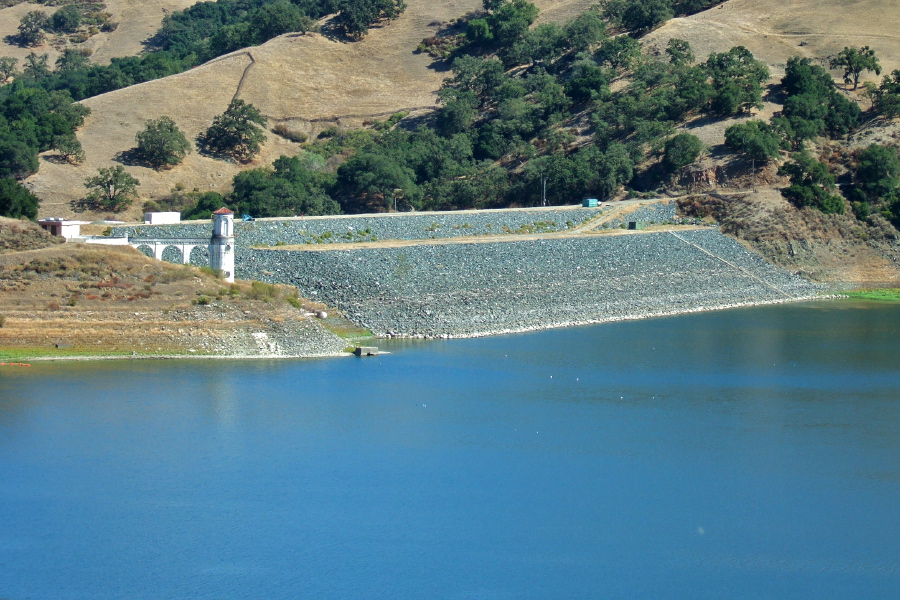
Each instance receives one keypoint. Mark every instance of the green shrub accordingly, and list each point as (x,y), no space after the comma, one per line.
(812,184)
(754,139)
(680,151)
(217,273)
(878,171)
(262,291)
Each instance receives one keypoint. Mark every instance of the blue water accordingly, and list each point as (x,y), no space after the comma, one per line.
(741,454)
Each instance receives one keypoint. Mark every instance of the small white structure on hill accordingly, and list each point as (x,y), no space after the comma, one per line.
(62,227)
(162,218)
(221,245)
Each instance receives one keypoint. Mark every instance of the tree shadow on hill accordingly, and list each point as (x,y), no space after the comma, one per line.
(775,94)
(131,158)
(81,205)
(204,150)
(448,41)
(440,65)
(56,159)
(334,32)
(152,43)
(415,122)
(14,39)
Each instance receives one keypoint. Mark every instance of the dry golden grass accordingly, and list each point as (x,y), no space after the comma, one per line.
(774,29)
(17,235)
(9,24)
(137,21)
(309,82)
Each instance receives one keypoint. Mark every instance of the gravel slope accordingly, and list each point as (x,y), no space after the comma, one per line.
(466,290)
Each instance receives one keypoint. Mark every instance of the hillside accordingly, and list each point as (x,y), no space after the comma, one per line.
(82,300)
(775,30)
(137,21)
(307,81)
(310,82)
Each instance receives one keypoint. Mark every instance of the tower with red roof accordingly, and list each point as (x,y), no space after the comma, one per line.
(221,245)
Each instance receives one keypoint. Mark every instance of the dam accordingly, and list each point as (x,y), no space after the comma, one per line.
(479,273)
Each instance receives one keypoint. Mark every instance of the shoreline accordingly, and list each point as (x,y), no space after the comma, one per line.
(481,334)
(619,318)
(88,358)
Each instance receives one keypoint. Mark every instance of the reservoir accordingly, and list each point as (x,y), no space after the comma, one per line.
(747,453)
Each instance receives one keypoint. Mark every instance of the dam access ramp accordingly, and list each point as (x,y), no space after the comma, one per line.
(313,233)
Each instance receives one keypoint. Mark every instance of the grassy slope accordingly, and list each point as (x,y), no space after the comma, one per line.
(310,81)
(138,20)
(111,301)
(301,78)
(774,29)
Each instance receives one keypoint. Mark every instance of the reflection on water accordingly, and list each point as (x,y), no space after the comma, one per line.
(742,454)
(225,403)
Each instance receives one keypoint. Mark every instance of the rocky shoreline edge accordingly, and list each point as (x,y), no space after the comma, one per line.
(620,318)
(328,339)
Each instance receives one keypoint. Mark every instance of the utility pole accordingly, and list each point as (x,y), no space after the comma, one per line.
(753,168)
(543,190)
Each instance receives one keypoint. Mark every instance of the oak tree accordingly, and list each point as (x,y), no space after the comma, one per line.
(31,28)
(69,148)
(111,189)
(235,133)
(161,143)
(854,61)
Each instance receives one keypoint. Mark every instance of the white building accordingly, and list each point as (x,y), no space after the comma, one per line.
(162,218)
(62,227)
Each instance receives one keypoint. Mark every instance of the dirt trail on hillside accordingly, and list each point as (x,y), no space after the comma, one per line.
(311,81)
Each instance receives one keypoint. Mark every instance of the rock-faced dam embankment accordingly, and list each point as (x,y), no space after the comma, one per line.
(468,289)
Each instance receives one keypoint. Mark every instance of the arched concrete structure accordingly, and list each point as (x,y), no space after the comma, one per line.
(219,248)
(158,245)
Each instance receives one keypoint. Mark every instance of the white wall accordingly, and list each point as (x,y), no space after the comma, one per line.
(162,218)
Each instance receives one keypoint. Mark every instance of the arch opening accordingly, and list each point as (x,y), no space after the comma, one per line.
(172,254)
(199,256)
